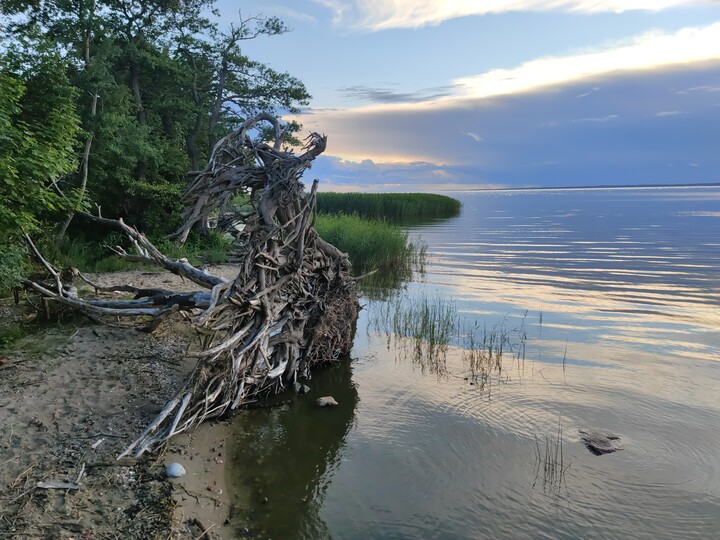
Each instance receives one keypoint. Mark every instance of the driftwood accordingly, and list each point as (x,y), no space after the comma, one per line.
(291,306)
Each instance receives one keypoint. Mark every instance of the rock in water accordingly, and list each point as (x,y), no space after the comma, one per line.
(175,470)
(326,401)
(600,442)
(301,389)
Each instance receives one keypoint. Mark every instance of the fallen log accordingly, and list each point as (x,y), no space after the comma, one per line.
(291,305)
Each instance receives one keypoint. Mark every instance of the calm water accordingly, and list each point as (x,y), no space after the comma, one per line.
(618,292)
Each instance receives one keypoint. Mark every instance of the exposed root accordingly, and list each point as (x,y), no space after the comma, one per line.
(292,304)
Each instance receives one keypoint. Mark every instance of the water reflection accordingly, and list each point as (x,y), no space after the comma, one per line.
(622,294)
(283,457)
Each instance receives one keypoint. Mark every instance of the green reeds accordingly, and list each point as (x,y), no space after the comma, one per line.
(372,244)
(423,326)
(484,350)
(483,353)
(429,327)
(392,206)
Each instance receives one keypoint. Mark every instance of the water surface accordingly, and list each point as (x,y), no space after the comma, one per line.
(618,292)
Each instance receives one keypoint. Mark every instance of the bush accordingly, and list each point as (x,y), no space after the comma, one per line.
(13,266)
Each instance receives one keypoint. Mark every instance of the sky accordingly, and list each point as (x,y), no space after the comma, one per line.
(470,94)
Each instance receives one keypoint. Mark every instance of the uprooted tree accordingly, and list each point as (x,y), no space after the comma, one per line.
(292,304)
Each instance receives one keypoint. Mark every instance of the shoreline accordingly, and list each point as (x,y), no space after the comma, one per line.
(72,396)
(201,495)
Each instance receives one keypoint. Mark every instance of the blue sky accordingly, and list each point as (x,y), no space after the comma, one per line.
(458,94)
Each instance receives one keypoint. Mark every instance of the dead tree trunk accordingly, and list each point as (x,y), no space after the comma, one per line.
(291,306)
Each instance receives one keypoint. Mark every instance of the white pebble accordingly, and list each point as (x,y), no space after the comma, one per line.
(175,470)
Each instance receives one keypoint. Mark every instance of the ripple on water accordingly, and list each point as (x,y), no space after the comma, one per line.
(475,451)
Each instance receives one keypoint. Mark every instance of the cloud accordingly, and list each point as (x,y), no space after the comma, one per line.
(337,174)
(704,88)
(647,51)
(474,136)
(385,14)
(589,92)
(597,119)
(289,13)
(661,114)
(386,95)
(615,138)
(338,7)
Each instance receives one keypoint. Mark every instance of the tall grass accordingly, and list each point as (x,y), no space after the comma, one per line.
(484,350)
(94,256)
(425,326)
(391,206)
(430,328)
(371,244)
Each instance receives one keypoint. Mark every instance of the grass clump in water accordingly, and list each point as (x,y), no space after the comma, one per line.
(484,350)
(371,244)
(550,462)
(427,326)
(392,206)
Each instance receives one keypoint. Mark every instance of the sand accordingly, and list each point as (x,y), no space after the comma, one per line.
(72,395)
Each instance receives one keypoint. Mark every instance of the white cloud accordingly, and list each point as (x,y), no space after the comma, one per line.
(647,51)
(473,136)
(704,88)
(661,114)
(338,7)
(385,14)
(289,13)
(599,119)
(650,51)
(589,92)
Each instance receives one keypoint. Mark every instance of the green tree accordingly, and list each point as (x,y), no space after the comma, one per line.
(157,83)
(38,130)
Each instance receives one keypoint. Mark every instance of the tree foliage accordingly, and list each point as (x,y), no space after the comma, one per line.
(154,83)
(38,128)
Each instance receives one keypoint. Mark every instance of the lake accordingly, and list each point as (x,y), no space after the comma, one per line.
(610,303)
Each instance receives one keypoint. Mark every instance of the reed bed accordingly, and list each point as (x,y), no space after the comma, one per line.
(428,328)
(391,206)
(424,327)
(372,244)
(484,350)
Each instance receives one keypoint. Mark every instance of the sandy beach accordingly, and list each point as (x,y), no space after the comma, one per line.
(72,396)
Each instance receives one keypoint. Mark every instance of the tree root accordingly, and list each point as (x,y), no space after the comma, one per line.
(291,306)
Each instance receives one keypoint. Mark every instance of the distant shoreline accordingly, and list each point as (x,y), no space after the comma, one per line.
(599,187)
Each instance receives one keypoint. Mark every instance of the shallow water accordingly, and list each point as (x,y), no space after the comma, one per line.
(618,293)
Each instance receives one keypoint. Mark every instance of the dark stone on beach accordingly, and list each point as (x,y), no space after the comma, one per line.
(600,442)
